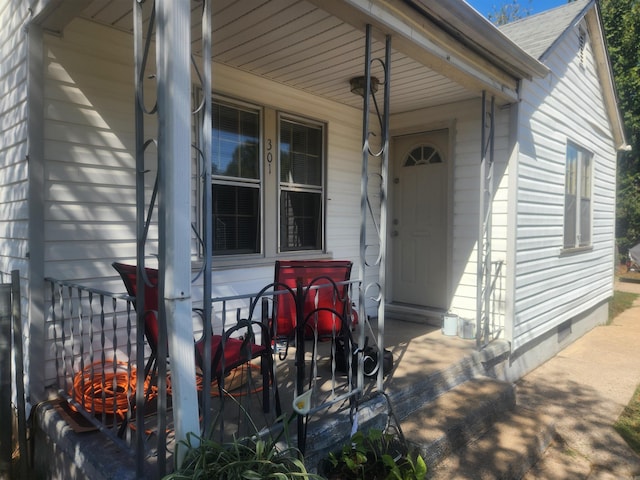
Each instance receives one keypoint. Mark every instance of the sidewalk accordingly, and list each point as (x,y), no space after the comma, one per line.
(585,388)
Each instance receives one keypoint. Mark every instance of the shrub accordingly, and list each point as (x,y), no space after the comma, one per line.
(247,459)
(374,456)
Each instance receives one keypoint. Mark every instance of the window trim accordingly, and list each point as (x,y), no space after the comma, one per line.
(313,123)
(240,181)
(581,154)
(269,204)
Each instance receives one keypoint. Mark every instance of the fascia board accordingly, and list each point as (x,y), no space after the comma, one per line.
(425,42)
(465,22)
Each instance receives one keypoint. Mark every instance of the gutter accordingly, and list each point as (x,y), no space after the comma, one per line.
(463,22)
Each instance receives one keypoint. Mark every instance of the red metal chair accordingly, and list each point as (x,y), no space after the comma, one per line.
(227,352)
(327,307)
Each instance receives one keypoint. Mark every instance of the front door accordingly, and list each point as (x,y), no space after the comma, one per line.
(419,220)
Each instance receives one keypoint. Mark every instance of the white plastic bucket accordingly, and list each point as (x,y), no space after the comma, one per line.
(450,324)
(466,328)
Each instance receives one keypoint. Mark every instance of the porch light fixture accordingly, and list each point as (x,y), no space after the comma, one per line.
(358,85)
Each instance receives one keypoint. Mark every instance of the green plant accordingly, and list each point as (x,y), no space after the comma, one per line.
(620,302)
(375,456)
(244,459)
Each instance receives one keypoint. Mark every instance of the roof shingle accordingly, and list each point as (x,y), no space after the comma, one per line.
(537,33)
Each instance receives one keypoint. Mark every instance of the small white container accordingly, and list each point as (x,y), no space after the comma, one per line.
(466,328)
(450,324)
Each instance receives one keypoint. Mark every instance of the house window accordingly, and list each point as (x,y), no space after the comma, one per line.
(301,185)
(577,201)
(236,179)
(290,187)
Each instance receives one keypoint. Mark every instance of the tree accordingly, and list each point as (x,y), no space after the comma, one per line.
(621,19)
(509,12)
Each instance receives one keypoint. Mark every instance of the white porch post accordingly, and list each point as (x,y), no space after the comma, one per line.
(174,221)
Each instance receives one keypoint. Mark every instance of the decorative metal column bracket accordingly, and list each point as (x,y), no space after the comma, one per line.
(141,54)
(374,290)
(484,269)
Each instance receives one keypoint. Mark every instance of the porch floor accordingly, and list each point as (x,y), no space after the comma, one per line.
(419,350)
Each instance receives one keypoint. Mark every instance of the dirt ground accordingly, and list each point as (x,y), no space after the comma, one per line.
(627,281)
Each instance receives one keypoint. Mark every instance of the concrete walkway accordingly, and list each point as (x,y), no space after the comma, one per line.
(585,388)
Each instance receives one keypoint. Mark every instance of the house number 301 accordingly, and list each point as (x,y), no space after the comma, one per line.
(269,154)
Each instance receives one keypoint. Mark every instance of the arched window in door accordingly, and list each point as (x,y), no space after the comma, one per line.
(423,155)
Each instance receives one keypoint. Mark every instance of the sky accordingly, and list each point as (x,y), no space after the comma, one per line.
(485,7)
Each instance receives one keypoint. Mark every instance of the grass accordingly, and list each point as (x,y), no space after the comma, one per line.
(620,302)
(628,424)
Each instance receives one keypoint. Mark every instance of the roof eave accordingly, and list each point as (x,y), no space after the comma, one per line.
(478,33)
(54,15)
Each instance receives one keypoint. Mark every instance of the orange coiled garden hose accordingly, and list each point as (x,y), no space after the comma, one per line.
(101,388)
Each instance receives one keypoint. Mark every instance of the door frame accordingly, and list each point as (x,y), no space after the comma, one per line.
(430,127)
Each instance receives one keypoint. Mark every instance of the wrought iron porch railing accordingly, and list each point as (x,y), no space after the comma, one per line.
(95,335)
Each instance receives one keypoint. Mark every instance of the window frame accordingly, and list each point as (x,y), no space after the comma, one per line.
(578,181)
(231,181)
(302,188)
(268,186)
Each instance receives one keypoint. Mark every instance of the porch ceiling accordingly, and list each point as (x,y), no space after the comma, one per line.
(296,43)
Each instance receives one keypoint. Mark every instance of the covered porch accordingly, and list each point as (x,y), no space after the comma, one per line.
(427,362)
(425,68)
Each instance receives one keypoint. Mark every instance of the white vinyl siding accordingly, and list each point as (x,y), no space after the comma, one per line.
(551,286)
(14,166)
(89,211)
(13,138)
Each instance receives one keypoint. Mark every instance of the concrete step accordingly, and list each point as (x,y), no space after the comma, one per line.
(476,431)
(504,452)
(479,364)
(466,377)
(457,417)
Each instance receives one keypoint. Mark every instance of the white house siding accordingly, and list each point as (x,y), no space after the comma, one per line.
(464,121)
(14,167)
(89,208)
(551,287)
(13,137)
(89,211)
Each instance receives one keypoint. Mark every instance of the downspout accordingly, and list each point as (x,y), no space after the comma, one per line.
(35,162)
(484,277)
